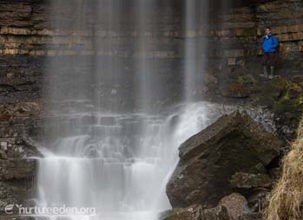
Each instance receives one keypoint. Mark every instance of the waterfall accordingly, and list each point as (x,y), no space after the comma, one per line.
(108,146)
(196,20)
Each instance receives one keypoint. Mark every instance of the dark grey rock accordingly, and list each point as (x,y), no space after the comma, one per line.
(208,160)
(197,212)
(13,169)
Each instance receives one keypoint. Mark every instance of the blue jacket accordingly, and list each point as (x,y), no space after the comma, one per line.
(270,44)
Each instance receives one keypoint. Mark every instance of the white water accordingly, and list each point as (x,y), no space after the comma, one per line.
(98,154)
(196,20)
(121,168)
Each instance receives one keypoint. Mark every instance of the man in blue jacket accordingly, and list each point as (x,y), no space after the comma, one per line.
(270,49)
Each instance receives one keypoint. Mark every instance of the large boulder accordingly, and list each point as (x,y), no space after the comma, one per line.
(210,159)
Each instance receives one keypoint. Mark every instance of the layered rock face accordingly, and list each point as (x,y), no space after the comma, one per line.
(234,37)
(22,35)
(20,93)
(240,30)
(235,58)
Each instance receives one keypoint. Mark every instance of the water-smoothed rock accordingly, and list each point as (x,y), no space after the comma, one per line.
(209,160)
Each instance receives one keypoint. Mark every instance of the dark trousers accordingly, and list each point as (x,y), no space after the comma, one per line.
(269,59)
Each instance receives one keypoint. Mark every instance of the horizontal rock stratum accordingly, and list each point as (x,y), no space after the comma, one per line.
(208,160)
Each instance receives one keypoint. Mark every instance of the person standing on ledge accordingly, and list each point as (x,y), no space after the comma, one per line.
(270,49)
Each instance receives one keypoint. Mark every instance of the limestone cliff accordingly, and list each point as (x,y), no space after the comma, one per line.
(27,39)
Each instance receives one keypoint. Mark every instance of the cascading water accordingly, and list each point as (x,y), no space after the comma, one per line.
(100,152)
(196,19)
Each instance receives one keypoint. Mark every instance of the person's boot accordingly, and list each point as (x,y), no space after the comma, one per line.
(272,72)
(265,72)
